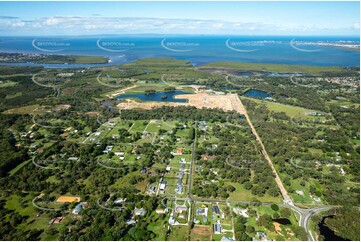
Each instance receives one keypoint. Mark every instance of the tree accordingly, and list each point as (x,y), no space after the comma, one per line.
(265,220)
(231,188)
(345,223)
(285,213)
(250,230)
(275,207)
(248,185)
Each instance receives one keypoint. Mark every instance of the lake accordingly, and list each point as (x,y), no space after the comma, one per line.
(157,96)
(257,94)
(328,233)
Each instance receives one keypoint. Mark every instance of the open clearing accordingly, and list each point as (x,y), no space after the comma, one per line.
(291,111)
(229,102)
(22,110)
(201,233)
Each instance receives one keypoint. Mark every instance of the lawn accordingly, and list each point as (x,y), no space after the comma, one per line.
(138,126)
(178,233)
(313,70)
(22,110)
(241,194)
(291,111)
(17,168)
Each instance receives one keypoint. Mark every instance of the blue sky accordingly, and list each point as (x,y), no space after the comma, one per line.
(244,18)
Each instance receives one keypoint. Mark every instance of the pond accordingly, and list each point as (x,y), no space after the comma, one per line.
(283,221)
(328,233)
(157,96)
(257,94)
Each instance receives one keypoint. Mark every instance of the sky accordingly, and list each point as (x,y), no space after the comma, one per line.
(238,18)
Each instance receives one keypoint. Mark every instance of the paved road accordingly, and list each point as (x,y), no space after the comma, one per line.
(306,214)
(192,162)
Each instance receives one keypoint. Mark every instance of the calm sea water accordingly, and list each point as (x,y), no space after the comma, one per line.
(198,50)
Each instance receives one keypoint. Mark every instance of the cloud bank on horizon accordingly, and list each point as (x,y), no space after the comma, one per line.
(80,22)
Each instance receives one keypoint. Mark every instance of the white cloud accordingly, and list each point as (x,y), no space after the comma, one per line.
(106,25)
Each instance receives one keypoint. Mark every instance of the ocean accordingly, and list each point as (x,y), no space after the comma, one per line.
(198,50)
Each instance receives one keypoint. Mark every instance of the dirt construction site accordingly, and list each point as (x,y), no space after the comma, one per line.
(199,100)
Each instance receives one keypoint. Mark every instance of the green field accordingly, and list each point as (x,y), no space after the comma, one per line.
(178,233)
(291,111)
(241,194)
(312,70)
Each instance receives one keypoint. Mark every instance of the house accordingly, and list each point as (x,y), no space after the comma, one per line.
(108,149)
(299,192)
(139,212)
(181,167)
(171,220)
(183,160)
(215,209)
(152,190)
(77,208)
(73,159)
(180,209)
(163,185)
(203,125)
(130,221)
(217,228)
(202,211)
(85,205)
(168,168)
(180,174)
(179,182)
(225,238)
(160,211)
(179,151)
(121,158)
(119,153)
(58,220)
(120,200)
(261,236)
(179,189)
(342,171)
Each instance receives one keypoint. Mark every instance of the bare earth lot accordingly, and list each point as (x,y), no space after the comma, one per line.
(199,100)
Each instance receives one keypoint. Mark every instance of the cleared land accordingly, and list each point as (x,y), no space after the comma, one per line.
(229,102)
(68,199)
(201,233)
